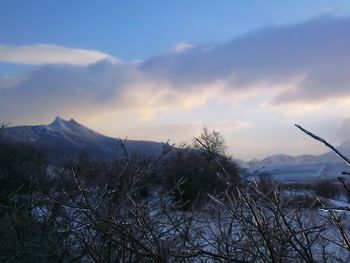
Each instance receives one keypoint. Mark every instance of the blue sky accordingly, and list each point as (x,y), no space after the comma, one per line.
(139,29)
(163,69)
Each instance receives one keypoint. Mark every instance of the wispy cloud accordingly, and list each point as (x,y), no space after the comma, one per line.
(182,47)
(50,54)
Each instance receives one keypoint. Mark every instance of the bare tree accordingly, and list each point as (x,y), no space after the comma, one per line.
(210,141)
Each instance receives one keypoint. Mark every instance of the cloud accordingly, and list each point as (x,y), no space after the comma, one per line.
(302,63)
(90,90)
(7,82)
(316,52)
(182,47)
(184,132)
(64,89)
(50,54)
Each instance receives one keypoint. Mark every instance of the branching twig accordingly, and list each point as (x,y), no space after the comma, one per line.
(325,142)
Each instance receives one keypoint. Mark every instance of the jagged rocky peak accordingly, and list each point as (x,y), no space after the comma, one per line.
(71,126)
(62,124)
(73,121)
(58,122)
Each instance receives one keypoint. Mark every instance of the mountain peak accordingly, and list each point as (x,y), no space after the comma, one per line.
(59,124)
(58,119)
(69,138)
(73,121)
(71,127)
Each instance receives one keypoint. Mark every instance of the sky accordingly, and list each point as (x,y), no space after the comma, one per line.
(162,70)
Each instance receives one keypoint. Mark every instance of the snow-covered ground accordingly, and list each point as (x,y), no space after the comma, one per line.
(301,173)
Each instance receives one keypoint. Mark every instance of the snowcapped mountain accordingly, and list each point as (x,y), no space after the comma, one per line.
(63,138)
(287,160)
(332,157)
(283,159)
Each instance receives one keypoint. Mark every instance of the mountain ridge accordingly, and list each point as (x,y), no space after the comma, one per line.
(68,138)
(285,159)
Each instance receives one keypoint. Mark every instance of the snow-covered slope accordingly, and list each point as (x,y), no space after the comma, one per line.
(69,138)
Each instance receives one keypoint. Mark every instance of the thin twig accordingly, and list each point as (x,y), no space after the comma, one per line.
(325,142)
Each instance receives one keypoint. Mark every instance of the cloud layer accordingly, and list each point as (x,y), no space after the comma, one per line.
(50,54)
(315,55)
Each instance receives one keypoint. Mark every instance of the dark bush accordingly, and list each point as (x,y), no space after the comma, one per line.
(328,189)
(197,174)
(22,168)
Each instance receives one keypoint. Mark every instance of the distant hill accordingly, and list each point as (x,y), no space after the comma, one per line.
(287,160)
(62,139)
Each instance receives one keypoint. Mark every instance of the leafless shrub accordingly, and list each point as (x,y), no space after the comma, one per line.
(100,214)
(328,189)
(337,220)
(265,183)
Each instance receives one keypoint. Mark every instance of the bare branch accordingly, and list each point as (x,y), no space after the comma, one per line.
(325,142)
